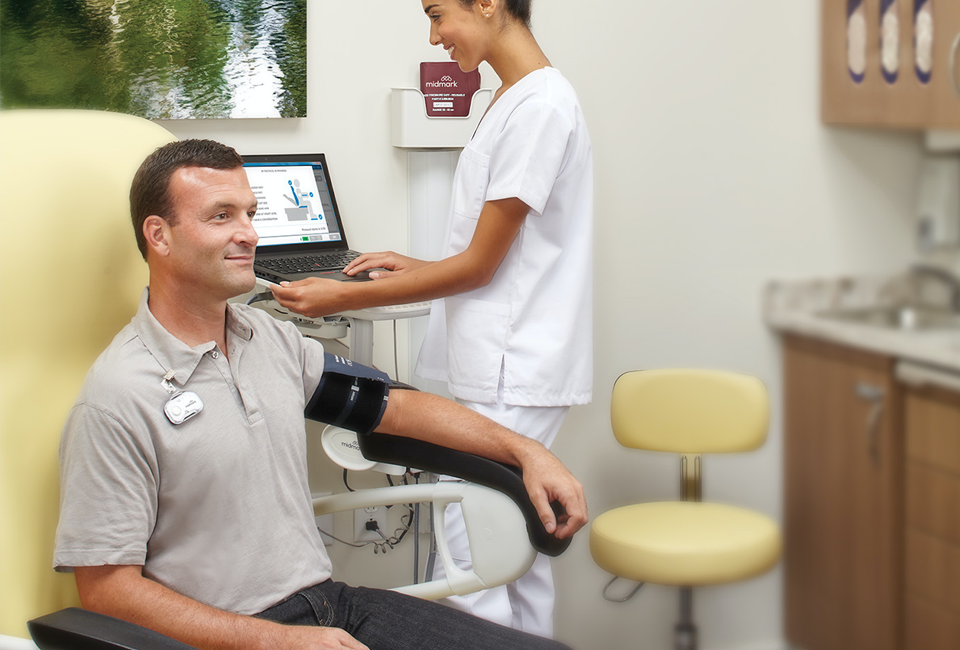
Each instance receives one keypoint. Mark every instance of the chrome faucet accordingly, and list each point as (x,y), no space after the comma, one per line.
(947,278)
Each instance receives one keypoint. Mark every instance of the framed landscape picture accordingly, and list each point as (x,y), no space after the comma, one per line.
(163,59)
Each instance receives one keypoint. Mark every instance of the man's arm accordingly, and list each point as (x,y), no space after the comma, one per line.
(123,592)
(431,418)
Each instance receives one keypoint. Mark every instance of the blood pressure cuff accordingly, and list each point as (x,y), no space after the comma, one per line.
(350,395)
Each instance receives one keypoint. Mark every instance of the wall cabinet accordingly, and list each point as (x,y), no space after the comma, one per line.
(872,504)
(891,63)
(843,490)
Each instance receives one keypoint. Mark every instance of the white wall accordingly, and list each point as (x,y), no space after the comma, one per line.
(713,174)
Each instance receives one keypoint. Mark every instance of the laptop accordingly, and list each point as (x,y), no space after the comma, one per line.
(298,222)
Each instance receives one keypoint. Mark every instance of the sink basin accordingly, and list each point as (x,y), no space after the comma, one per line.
(898,318)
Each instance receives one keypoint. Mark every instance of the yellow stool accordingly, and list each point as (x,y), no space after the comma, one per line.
(686,543)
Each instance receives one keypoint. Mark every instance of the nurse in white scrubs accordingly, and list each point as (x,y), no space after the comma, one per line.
(511,329)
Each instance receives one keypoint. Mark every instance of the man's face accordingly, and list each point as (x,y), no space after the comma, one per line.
(213,242)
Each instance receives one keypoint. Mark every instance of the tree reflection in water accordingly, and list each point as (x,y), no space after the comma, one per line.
(156,58)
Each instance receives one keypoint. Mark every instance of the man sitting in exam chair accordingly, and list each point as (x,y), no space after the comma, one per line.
(185,506)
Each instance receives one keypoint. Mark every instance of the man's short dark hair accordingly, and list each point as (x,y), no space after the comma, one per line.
(150,191)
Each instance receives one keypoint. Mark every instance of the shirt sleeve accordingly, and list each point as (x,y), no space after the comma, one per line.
(289,344)
(529,154)
(313,363)
(108,492)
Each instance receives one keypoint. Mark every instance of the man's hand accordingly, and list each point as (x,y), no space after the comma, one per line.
(316,638)
(548,480)
(395,264)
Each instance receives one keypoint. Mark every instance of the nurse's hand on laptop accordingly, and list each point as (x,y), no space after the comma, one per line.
(312,297)
(395,264)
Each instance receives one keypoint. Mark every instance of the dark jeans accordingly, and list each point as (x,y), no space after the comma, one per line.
(386,620)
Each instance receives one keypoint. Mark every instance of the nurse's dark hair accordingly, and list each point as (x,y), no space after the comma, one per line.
(519,9)
(150,190)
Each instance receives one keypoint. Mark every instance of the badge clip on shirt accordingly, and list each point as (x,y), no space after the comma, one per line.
(182,405)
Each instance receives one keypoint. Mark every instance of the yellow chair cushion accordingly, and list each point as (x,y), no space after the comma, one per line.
(684,543)
(64,178)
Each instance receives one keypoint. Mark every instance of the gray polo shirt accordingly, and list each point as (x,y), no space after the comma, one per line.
(216,508)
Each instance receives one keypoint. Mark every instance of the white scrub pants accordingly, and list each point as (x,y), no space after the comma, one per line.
(527,603)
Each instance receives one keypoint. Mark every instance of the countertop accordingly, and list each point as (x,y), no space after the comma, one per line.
(794,306)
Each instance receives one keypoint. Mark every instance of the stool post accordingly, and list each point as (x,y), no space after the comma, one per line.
(691,482)
(685,632)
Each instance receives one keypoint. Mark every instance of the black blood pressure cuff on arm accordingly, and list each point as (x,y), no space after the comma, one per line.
(350,395)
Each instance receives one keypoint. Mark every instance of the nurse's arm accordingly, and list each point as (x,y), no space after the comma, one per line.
(434,419)
(497,228)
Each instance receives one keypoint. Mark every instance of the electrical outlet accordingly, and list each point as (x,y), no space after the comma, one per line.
(361,532)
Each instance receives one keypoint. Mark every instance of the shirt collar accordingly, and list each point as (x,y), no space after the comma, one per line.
(237,325)
(172,353)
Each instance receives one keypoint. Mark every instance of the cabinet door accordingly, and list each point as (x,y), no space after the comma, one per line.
(842,522)
(907,99)
(945,86)
(932,575)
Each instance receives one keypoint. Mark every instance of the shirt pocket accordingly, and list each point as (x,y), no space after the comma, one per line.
(470,183)
(476,332)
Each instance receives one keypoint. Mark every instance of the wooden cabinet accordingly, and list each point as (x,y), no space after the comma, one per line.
(872,501)
(932,560)
(854,88)
(843,490)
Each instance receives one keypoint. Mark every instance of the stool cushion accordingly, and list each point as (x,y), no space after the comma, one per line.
(684,543)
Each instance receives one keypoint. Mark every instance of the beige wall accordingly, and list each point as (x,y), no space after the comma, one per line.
(713,174)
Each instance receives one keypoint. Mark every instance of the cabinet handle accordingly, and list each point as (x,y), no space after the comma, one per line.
(874,395)
(953,64)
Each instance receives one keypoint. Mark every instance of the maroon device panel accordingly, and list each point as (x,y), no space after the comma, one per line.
(447,90)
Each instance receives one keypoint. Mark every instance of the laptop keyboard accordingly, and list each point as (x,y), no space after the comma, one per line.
(332,261)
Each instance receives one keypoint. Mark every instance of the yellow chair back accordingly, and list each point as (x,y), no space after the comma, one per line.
(654,410)
(70,278)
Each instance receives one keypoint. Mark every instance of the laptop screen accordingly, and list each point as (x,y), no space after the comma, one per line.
(296,207)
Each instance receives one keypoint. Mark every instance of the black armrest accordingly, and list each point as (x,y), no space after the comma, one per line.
(408,452)
(79,629)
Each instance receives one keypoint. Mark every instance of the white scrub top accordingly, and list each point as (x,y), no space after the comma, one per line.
(535,318)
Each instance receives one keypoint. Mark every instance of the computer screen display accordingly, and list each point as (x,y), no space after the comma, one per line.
(295,201)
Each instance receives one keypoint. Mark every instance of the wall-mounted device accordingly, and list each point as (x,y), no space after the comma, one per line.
(938,210)
(443,112)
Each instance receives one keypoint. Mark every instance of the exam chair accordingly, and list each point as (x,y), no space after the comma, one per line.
(70,278)
(686,543)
